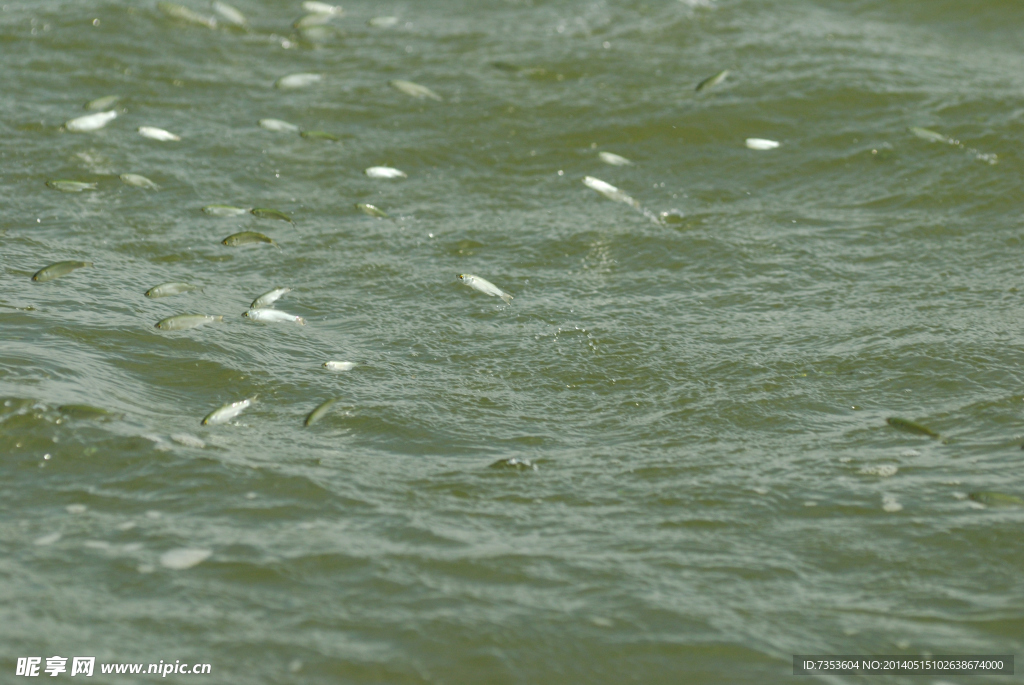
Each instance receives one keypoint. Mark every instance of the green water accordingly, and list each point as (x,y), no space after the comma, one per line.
(704,399)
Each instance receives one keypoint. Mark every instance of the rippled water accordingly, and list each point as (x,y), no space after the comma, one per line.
(666,461)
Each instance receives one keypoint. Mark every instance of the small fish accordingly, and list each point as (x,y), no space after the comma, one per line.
(609,191)
(138,181)
(322,8)
(246,238)
(227,412)
(297,81)
(90,122)
(712,81)
(382,22)
(267,213)
(371,210)
(484,286)
(761,144)
(58,269)
(157,133)
(230,14)
(71,186)
(312,20)
(414,89)
(168,289)
(268,298)
(929,135)
(273,316)
(339,366)
(385,172)
(176,11)
(996,499)
(320,135)
(319,412)
(102,103)
(278,125)
(613,159)
(910,427)
(87,412)
(183,322)
(224,210)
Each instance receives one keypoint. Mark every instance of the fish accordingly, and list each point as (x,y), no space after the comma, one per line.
(183,322)
(58,269)
(268,298)
(610,191)
(157,133)
(312,20)
(320,135)
(101,103)
(322,8)
(267,213)
(246,238)
(414,89)
(224,210)
(168,289)
(371,210)
(761,144)
(613,159)
(138,181)
(226,412)
(910,427)
(339,366)
(484,286)
(88,412)
(712,81)
(273,316)
(71,186)
(278,125)
(996,499)
(297,81)
(382,22)
(929,135)
(176,11)
(90,122)
(385,172)
(319,412)
(230,14)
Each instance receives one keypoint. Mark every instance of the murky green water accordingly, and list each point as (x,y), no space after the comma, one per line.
(704,399)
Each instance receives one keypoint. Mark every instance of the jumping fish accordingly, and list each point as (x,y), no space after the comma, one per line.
(227,412)
(71,186)
(58,269)
(268,298)
(910,427)
(90,122)
(312,20)
(319,412)
(996,499)
(929,135)
(273,316)
(339,366)
(278,125)
(168,289)
(322,8)
(224,210)
(414,89)
(138,181)
(230,14)
(101,103)
(613,159)
(176,11)
(371,210)
(247,238)
(385,172)
(610,191)
(297,81)
(267,213)
(182,322)
(712,81)
(157,133)
(761,144)
(485,287)
(382,22)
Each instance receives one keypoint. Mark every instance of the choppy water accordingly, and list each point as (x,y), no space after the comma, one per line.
(716,487)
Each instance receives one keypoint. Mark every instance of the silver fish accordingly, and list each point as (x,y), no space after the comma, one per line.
(322,8)
(319,412)
(613,159)
(414,89)
(101,103)
(385,172)
(182,322)
(138,181)
(610,191)
(484,286)
(371,210)
(712,81)
(278,125)
(57,270)
(230,14)
(273,316)
(168,289)
(224,210)
(339,366)
(228,411)
(761,144)
(312,20)
(71,186)
(297,81)
(90,122)
(157,133)
(176,11)
(382,22)
(268,298)
(929,135)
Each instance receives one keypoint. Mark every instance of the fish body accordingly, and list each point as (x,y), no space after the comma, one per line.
(312,20)
(297,81)
(382,22)
(385,172)
(371,210)
(267,213)
(230,14)
(176,11)
(90,122)
(911,427)
(71,186)
(102,103)
(246,238)
(224,210)
(183,322)
(339,366)
(613,159)
(278,125)
(227,412)
(761,144)
(273,316)
(154,133)
(609,191)
(58,269)
(87,411)
(268,298)
(319,412)
(996,499)
(712,81)
(929,135)
(168,289)
(138,181)
(485,287)
(322,8)
(414,89)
